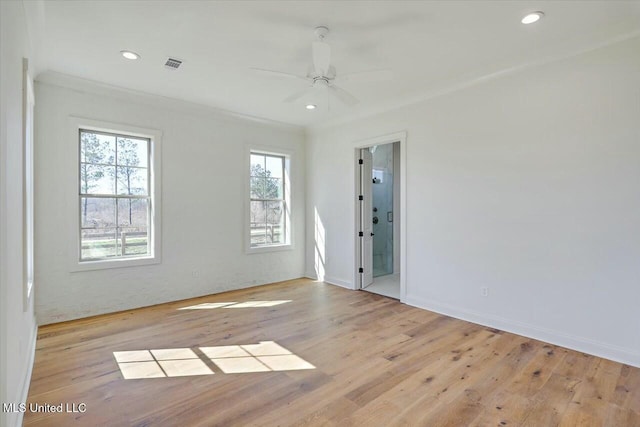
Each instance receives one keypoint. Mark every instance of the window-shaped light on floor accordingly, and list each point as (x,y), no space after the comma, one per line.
(173,362)
(207,306)
(262,357)
(246,304)
(266,356)
(249,304)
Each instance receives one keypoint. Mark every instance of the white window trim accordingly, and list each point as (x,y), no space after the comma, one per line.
(28,105)
(289,157)
(155,164)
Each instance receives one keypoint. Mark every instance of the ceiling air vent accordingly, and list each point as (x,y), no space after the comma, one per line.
(173,63)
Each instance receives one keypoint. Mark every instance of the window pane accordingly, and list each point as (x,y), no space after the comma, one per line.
(275,222)
(113,165)
(274,167)
(98,243)
(133,241)
(132,152)
(95,179)
(97,212)
(267,215)
(257,225)
(257,187)
(257,212)
(132,181)
(133,213)
(273,188)
(274,212)
(257,165)
(97,148)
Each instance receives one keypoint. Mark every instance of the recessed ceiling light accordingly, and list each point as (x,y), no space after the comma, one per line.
(532,17)
(311,106)
(129,55)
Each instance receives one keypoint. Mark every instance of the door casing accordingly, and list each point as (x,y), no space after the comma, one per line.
(401,138)
(366,217)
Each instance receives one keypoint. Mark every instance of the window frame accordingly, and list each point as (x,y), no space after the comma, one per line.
(154,195)
(287,157)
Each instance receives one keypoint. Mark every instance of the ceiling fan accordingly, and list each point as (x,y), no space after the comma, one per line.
(322,75)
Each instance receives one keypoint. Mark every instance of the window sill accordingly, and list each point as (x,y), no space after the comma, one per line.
(272,248)
(113,263)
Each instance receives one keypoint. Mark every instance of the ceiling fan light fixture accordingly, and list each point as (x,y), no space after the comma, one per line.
(532,17)
(321,77)
(129,55)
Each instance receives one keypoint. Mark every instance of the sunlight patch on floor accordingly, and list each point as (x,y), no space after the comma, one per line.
(207,305)
(246,304)
(184,368)
(258,304)
(169,362)
(265,356)
(132,370)
(240,365)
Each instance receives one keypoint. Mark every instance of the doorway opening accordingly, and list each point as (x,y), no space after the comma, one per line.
(379,218)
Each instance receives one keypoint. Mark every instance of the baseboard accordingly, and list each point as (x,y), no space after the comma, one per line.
(24,389)
(584,345)
(330,280)
(338,282)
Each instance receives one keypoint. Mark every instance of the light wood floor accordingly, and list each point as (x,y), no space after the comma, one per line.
(377,363)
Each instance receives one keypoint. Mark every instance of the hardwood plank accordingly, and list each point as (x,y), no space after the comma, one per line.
(376,362)
(462,402)
(551,402)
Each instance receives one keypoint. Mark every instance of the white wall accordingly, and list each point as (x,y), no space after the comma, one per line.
(528,184)
(17,321)
(203,197)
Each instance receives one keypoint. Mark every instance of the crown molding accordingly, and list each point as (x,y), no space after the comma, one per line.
(79,84)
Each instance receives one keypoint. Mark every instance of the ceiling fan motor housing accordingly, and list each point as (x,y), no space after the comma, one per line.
(322,32)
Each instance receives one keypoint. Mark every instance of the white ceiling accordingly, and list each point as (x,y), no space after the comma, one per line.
(429,45)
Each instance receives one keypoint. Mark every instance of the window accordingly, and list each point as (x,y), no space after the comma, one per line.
(114,196)
(117,196)
(269,224)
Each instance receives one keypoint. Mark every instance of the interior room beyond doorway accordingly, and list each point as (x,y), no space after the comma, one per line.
(384,216)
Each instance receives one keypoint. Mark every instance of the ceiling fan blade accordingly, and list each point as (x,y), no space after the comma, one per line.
(297,95)
(274,73)
(343,95)
(321,57)
(367,76)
